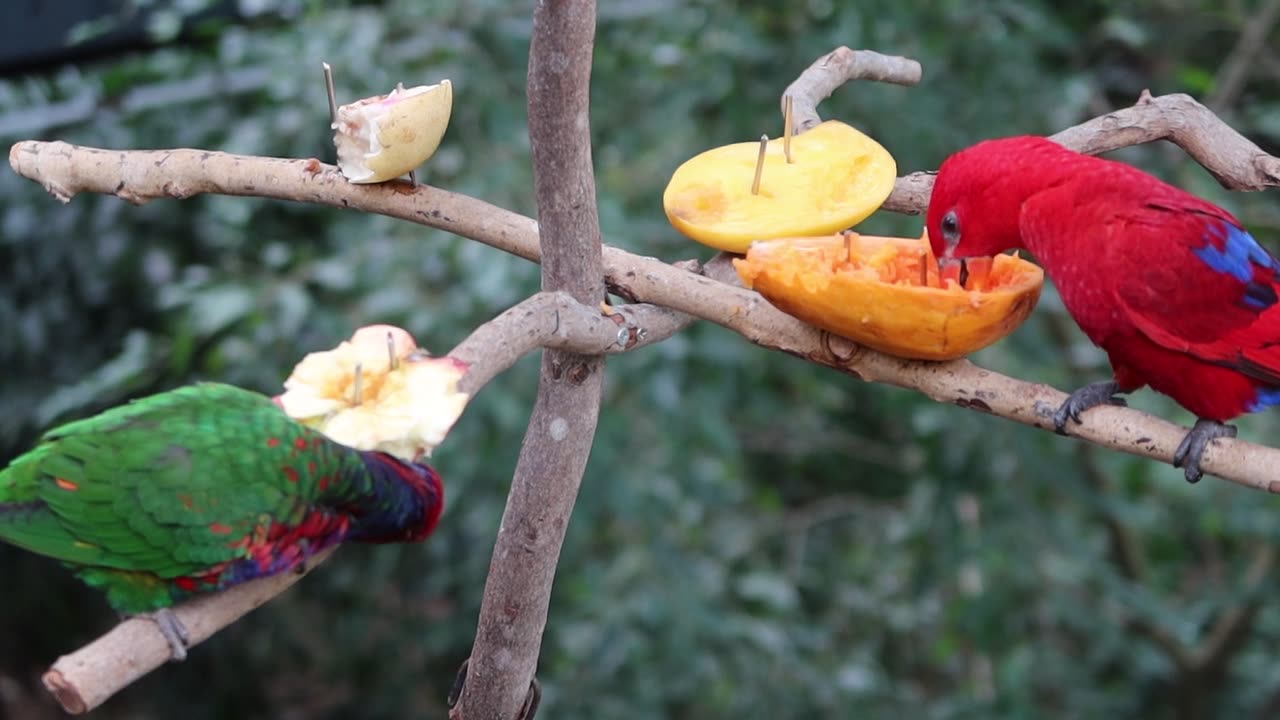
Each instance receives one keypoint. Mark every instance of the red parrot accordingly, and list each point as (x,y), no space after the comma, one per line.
(1172,287)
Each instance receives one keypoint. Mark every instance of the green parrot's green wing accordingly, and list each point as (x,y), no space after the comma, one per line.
(169,485)
(26,521)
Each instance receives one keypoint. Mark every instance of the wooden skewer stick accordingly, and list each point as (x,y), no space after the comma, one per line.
(848,246)
(391,351)
(787,130)
(333,96)
(924,268)
(764,145)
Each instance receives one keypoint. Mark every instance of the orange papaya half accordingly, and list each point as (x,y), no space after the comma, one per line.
(887,293)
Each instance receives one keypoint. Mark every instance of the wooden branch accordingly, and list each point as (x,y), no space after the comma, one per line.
(958,382)
(836,68)
(85,679)
(555,320)
(140,176)
(69,170)
(553,458)
(817,82)
(1234,160)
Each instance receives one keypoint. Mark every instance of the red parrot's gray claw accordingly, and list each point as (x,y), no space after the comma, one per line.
(173,630)
(1192,447)
(1089,396)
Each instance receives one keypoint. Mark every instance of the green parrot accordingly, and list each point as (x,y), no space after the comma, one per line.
(199,489)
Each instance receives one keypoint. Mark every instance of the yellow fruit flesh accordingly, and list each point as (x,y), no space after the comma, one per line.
(869,290)
(837,178)
(412,131)
(384,137)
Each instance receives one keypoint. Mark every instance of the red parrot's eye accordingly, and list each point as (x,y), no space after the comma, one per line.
(951,228)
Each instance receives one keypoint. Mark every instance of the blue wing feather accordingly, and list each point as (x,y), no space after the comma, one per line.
(1231,250)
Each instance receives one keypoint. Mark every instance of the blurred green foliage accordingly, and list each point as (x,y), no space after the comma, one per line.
(756,537)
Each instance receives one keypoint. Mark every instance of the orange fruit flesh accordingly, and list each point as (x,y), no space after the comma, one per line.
(887,293)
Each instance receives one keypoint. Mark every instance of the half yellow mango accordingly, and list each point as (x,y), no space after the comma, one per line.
(837,178)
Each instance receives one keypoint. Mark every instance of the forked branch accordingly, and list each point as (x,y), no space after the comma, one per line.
(1233,159)
(561,432)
